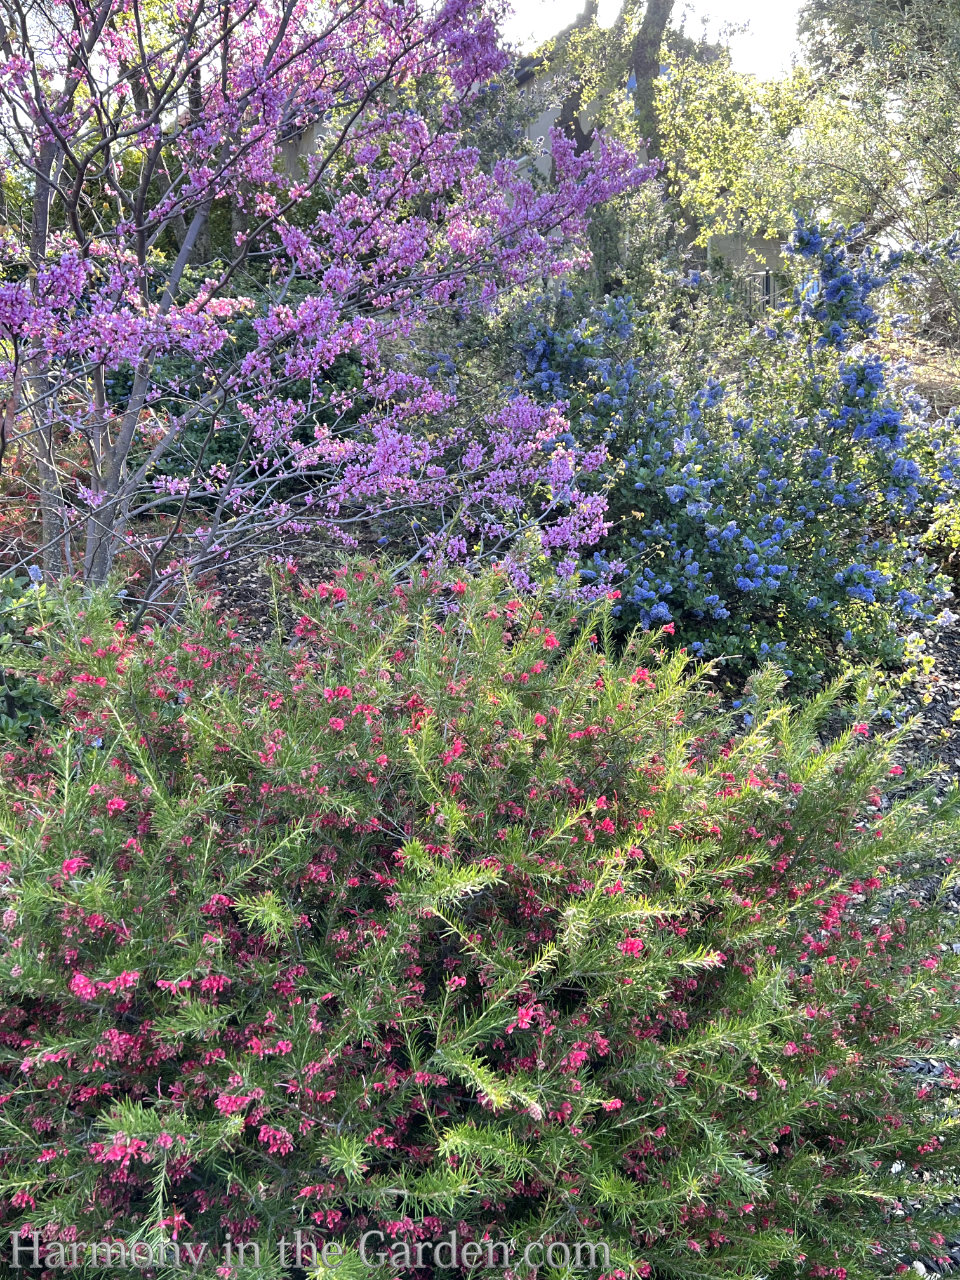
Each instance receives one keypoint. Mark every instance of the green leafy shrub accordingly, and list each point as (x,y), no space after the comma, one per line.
(22,706)
(443,919)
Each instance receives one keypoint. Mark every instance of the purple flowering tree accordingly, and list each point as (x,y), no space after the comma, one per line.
(211,210)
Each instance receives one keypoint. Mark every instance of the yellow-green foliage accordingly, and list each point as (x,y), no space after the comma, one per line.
(728,145)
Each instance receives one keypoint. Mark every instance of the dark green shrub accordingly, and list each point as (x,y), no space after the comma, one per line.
(443,920)
(22,706)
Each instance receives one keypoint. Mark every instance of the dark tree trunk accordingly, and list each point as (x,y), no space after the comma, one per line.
(645,65)
(568,120)
(42,435)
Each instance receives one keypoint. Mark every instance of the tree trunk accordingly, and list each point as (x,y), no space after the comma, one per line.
(40,438)
(645,65)
(568,121)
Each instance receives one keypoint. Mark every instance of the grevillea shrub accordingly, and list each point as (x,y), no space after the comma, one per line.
(442,920)
(765,495)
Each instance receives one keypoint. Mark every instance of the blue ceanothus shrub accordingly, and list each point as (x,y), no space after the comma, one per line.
(767,506)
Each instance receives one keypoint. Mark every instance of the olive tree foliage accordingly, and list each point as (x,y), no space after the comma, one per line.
(866,129)
(886,132)
(729,147)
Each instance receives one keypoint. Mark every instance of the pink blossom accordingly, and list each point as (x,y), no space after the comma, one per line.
(276,1139)
(83,987)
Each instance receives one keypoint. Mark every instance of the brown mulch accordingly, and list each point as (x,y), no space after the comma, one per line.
(935,370)
(245,586)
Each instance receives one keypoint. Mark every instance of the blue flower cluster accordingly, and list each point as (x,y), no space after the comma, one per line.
(838,303)
(761,508)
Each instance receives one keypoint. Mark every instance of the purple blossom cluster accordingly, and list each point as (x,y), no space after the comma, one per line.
(359,214)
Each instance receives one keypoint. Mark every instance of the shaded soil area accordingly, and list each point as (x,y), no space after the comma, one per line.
(934,698)
(934,369)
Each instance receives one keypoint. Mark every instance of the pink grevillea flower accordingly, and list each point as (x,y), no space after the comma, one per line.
(122,982)
(83,987)
(277,1141)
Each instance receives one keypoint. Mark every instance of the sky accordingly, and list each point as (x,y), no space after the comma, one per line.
(765,48)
